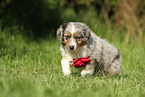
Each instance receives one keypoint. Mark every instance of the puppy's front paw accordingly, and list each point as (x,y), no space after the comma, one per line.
(83,73)
(67,72)
(87,73)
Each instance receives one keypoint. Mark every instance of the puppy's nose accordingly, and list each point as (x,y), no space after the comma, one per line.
(71,47)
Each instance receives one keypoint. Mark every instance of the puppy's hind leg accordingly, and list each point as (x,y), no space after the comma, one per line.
(115,66)
(65,66)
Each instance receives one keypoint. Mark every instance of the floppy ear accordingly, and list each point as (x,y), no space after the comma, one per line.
(60,32)
(87,33)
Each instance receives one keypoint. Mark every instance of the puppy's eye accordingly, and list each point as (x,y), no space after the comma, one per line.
(68,37)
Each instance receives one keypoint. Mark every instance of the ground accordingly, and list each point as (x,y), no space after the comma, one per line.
(32,69)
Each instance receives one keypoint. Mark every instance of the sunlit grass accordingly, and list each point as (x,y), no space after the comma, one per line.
(32,69)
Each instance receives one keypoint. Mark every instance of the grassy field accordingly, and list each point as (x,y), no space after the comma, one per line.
(32,69)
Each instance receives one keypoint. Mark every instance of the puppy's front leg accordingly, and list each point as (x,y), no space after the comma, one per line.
(89,70)
(65,66)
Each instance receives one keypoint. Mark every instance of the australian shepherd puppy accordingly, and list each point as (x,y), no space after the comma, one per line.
(77,39)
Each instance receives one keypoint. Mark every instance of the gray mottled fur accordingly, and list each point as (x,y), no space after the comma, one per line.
(105,56)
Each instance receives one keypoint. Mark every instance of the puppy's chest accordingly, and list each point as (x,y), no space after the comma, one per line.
(76,54)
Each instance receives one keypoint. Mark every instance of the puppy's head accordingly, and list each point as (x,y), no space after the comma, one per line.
(73,35)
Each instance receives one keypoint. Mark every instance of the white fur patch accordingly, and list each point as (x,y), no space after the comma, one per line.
(72,41)
(72,31)
(65,67)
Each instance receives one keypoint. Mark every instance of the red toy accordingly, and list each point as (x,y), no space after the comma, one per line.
(81,62)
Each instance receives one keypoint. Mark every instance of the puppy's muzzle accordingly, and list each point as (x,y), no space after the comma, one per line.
(71,47)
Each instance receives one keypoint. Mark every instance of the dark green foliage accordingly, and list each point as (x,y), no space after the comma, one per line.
(41,18)
(35,17)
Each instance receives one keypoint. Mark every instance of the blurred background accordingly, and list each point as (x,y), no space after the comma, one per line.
(30,56)
(37,19)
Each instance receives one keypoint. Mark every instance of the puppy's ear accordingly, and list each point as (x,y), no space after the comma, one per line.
(60,32)
(87,33)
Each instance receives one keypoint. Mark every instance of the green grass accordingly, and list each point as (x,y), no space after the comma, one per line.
(32,69)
